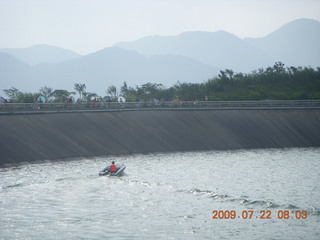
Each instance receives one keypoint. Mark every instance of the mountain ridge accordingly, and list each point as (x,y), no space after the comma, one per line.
(295,43)
(225,50)
(219,49)
(109,66)
(41,53)
(194,56)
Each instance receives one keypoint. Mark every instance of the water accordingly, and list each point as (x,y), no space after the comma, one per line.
(164,196)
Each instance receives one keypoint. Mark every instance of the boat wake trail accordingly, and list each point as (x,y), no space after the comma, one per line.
(250,203)
(206,193)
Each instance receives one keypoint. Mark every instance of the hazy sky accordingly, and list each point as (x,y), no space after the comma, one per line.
(86,26)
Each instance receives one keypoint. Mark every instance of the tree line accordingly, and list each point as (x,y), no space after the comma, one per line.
(275,83)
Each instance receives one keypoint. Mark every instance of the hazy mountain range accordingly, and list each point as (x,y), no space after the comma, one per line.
(188,57)
(41,54)
(296,43)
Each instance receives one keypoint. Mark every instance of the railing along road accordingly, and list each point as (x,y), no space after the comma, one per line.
(109,106)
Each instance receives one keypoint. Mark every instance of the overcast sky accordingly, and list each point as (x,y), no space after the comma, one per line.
(86,26)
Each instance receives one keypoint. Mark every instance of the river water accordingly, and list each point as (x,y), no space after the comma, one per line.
(166,196)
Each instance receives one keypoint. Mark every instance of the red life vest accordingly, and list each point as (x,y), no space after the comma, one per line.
(113,168)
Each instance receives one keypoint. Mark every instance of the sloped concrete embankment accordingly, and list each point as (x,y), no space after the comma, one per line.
(33,137)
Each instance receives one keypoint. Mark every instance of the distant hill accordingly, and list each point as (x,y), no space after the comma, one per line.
(41,54)
(99,70)
(191,57)
(13,72)
(296,43)
(219,49)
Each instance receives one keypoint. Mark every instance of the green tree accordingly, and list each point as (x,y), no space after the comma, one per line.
(80,88)
(276,82)
(113,92)
(13,94)
(124,89)
(149,91)
(28,97)
(46,92)
(88,96)
(61,95)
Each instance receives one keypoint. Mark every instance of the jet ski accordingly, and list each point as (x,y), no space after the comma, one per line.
(106,171)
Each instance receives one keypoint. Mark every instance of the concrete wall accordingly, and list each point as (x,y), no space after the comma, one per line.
(31,137)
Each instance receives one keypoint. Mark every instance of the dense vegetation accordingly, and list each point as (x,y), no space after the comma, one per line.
(277,82)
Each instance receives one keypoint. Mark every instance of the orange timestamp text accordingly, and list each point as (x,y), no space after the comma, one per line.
(264,214)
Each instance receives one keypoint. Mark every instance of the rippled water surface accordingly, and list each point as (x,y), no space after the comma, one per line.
(165,196)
